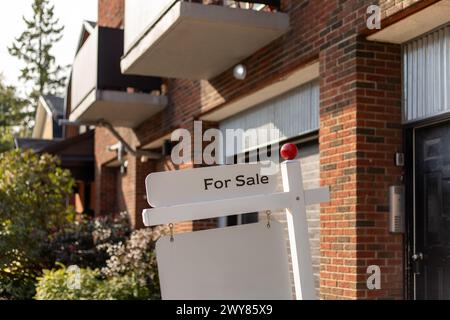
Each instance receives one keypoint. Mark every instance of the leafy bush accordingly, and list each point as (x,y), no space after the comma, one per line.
(53,285)
(130,273)
(33,194)
(13,115)
(80,243)
(125,287)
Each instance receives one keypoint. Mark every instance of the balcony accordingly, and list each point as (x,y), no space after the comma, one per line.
(99,91)
(180,39)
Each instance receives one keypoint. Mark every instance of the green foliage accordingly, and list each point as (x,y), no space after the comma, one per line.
(59,285)
(126,287)
(34,48)
(13,115)
(33,204)
(11,106)
(130,274)
(54,285)
(6,139)
(79,243)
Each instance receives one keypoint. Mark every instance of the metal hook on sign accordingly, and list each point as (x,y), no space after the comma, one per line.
(268,213)
(171,232)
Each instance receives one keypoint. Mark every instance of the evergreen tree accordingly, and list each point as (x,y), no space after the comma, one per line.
(34,47)
(13,116)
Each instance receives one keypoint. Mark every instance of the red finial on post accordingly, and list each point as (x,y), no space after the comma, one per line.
(289,151)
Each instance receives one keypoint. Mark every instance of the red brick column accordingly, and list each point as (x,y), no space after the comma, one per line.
(106,179)
(142,170)
(111,13)
(360,132)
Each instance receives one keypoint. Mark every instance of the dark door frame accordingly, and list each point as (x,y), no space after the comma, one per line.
(409,211)
(409,133)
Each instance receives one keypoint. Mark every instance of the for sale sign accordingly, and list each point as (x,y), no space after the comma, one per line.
(244,262)
(207,184)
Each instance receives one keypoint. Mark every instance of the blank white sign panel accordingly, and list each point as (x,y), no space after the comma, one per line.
(247,262)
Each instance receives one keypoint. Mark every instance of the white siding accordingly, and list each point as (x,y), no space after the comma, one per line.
(140,15)
(85,70)
(426,75)
(291,115)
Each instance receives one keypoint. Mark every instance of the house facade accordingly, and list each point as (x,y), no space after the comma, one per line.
(368,108)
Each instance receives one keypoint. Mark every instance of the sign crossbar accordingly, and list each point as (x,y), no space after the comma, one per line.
(228,207)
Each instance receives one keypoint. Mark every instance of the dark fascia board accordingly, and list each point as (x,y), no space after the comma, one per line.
(273,3)
(54,148)
(37,145)
(54,105)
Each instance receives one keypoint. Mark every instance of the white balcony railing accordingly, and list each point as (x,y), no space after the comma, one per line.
(141,14)
(85,70)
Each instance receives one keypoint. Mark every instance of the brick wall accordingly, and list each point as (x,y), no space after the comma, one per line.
(360,133)
(106,199)
(111,13)
(391,7)
(103,157)
(115,191)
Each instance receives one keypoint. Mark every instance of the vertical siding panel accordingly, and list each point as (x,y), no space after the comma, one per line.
(292,114)
(406,90)
(446,88)
(426,75)
(411,82)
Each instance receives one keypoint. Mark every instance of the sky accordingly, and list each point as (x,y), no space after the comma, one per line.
(71,13)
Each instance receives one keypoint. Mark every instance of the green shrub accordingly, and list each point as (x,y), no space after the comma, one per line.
(130,273)
(33,194)
(54,285)
(58,285)
(125,287)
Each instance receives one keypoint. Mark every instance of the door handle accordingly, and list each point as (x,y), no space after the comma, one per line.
(417,259)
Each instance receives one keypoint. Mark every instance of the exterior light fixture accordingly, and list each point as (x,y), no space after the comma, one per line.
(240,72)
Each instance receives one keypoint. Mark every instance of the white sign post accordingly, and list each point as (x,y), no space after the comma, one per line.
(230,190)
